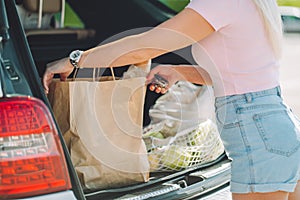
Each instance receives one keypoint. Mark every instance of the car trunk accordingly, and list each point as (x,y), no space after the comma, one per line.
(192,182)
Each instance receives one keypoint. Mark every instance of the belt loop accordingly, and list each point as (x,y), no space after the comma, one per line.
(248,97)
(278,91)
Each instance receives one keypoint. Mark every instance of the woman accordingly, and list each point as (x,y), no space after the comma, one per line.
(238,43)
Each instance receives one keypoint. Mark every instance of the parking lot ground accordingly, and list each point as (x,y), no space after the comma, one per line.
(223,194)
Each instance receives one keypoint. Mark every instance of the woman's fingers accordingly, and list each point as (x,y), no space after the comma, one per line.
(158,89)
(64,76)
(152,87)
(47,78)
(160,78)
(61,67)
(163,90)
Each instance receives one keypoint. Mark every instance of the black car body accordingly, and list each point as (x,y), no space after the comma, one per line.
(23,60)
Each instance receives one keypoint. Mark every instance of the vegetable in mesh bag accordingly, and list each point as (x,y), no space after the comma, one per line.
(187,148)
(176,157)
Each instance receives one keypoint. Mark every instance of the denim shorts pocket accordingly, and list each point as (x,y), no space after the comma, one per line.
(278,132)
(226,116)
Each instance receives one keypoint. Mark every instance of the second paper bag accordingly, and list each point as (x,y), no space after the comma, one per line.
(102,125)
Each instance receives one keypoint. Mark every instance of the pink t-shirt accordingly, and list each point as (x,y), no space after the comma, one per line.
(238,56)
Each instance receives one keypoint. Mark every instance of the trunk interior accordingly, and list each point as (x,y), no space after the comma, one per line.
(173,185)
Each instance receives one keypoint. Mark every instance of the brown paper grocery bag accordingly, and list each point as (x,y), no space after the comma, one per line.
(101,122)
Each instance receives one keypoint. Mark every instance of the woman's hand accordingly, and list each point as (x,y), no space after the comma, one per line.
(168,73)
(62,67)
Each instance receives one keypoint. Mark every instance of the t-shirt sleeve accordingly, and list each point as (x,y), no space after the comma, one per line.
(219,13)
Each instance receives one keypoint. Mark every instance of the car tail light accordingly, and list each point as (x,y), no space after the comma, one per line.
(32,161)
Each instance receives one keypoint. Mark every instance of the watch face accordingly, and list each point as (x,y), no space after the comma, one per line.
(75,55)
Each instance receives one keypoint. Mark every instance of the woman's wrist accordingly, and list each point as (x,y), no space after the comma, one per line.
(82,60)
(192,73)
(180,71)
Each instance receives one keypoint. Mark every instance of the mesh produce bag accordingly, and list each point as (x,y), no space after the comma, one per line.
(182,132)
(193,146)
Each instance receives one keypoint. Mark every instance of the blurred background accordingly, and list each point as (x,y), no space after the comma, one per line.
(290,71)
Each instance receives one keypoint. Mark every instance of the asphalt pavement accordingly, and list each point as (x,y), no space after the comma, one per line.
(290,71)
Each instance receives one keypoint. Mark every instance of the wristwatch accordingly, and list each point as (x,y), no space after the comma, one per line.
(75,57)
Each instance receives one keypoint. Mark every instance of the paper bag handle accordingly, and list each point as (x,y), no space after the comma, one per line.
(95,73)
(145,66)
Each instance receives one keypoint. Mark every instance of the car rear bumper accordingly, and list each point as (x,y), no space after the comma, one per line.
(65,195)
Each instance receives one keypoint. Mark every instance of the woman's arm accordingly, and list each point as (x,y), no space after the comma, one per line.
(174,73)
(178,32)
(194,74)
(182,30)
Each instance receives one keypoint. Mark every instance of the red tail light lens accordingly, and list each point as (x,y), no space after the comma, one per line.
(31,157)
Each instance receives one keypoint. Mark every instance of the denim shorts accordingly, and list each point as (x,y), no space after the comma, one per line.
(262,138)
